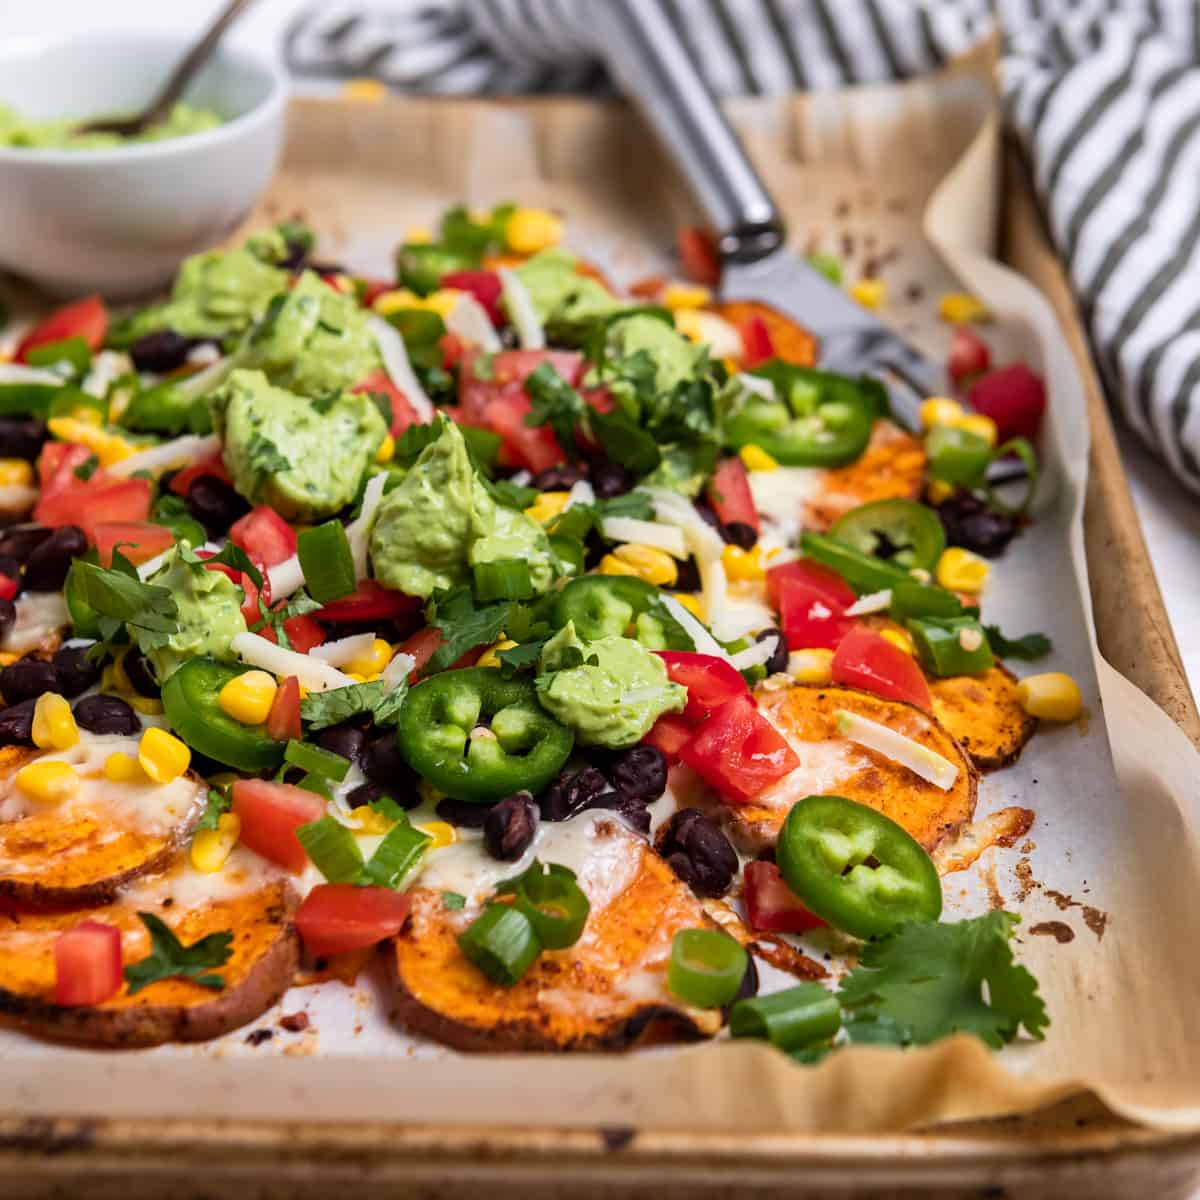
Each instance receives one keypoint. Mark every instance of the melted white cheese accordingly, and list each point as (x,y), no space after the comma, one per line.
(40,617)
(184,888)
(823,767)
(780,497)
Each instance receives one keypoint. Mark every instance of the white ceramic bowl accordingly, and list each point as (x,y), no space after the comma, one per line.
(119,220)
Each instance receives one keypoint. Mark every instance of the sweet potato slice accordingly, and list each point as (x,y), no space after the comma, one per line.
(831,764)
(600,994)
(263,960)
(83,850)
(982,712)
(892,467)
(791,341)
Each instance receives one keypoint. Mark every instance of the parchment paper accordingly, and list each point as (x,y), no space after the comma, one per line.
(1118,868)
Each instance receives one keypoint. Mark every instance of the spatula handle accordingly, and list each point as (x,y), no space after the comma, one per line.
(648,60)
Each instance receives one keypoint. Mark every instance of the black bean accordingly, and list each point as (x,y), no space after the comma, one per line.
(47,566)
(21,540)
(140,674)
(698,852)
(641,773)
(571,793)
(76,672)
(368,793)
(161,351)
(345,740)
(558,479)
(107,714)
(462,813)
(971,524)
(383,763)
(778,661)
(632,811)
(8,617)
(27,679)
(738,533)
(16,724)
(749,986)
(609,478)
(510,826)
(214,504)
(707,514)
(687,577)
(22,438)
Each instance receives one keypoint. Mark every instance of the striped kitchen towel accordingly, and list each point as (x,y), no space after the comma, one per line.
(1104,93)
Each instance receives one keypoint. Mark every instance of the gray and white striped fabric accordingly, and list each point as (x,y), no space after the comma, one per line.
(1104,93)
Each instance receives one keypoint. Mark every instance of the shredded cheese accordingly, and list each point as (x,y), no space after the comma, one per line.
(756,655)
(358,532)
(203,381)
(162,457)
(470,321)
(580,493)
(314,674)
(395,361)
(285,578)
(702,641)
(107,366)
(647,533)
(344,650)
(873,603)
(521,311)
(20,373)
(920,760)
(397,671)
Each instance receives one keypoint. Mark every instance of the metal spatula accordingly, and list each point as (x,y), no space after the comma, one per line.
(647,58)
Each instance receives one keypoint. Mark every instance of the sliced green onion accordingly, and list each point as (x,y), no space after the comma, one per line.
(828,265)
(398,853)
(333,850)
(316,760)
(504,579)
(575,522)
(1025,452)
(501,942)
(913,599)
(706,967)
(312,783)
(326,561)
(791,1019)
(951,645)
(554,903)
(957,455)
(570,554)
(863,572)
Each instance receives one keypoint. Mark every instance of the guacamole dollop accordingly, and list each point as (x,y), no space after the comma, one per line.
(305,459)
(312,340)
(209,614)
(676,358)
(440,521)
(559,293)
(16,130)
(610,690)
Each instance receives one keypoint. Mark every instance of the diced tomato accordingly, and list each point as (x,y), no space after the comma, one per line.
(757,346)
(836,591)
(698,253)
(421,646)
(483,285)
(533,447)
(139,541)
(403,413)
(738,751)
(87,319)
(710,681)
(338,917)
(87,964)
(374,288)
(8,587)
(283,721)
(515,366)
(214,465)
(808,618)
(250,610)
(668,734)
(870,662)
(56,465)
(94,501)
(771,905)
(453,349)
(339,282)
(969,356)
(303,633)
(265,536)
(270,814)
(371,601)
(1014,397)
(730,496)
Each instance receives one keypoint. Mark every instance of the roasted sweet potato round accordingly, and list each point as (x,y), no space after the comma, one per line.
(791,341)
(982,712)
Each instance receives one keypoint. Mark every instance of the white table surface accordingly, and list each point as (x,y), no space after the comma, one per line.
(1170,517)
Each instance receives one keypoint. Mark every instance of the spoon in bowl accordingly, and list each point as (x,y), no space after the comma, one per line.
(160,107)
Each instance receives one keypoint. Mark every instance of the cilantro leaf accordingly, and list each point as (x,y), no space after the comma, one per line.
(509,494)
(218,803)
(626,442)
(117,593)
(454,901)
(630,504)
(322,709)
(235,557)
(463,625)
(927,981)
(87,468)
(557,404)
(170,959)
(1029,648)
(519,657)
(387,710)
(263,455)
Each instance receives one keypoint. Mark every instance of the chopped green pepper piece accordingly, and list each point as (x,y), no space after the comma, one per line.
(951,645)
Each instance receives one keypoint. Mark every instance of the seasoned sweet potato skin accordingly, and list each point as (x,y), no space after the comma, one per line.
(575,999)
(791,341)
(806,712)
(263,960)
(982,712)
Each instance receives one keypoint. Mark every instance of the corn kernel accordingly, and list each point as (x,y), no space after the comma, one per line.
(107,447)
(979,425)
(15,472)
(418,235)
(443,834)
(146,705)
(54,725)
(248,697)
(87,414)
(387,450)
(691,602)
(959,570)
(530,230)
(938,491)
(547,506)
(371,822)
(1052,696)
(120,767)
(756,458)
(367,90)
(212,847)
(428,793)
(609,565)
(49,781)
(372,662)
(690,323)
(743,564)
(900,638)
(940,410)
(162,755)
(489,657)
(961,308)
(684,295)
(811,666)
(870,293)
(648,562)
